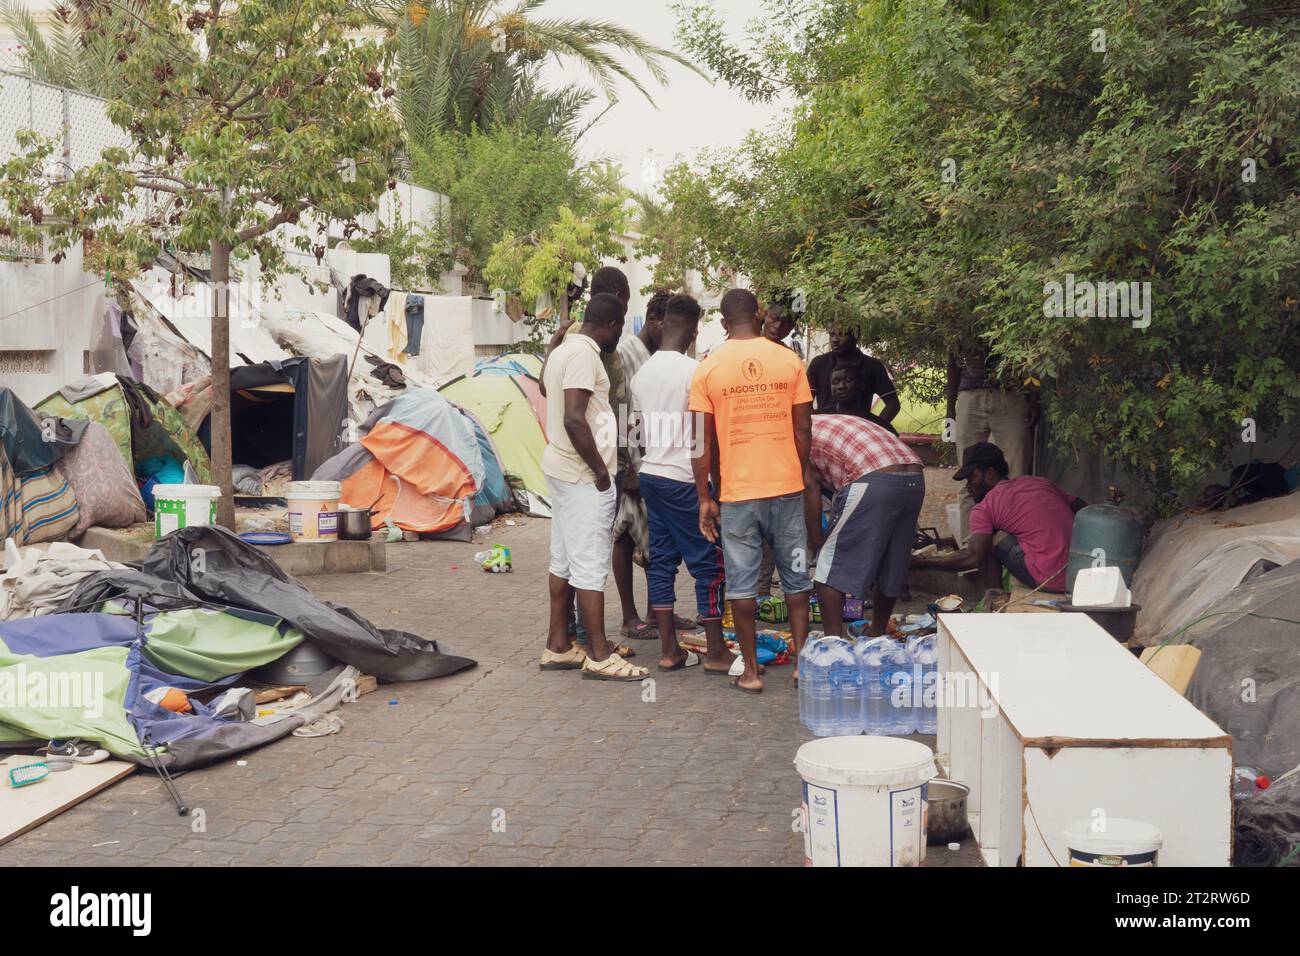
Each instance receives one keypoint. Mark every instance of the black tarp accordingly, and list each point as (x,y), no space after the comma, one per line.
(211,564)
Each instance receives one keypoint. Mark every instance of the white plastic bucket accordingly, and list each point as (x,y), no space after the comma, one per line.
(183,506)
(1113,841)
(313,510)
(864,800)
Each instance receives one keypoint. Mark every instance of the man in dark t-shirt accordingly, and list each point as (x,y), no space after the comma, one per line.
(873,378)
(847,397)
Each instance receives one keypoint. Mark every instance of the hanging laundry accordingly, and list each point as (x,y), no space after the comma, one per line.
(414,322)
(394,310)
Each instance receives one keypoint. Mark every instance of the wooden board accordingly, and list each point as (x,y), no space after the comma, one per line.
(25,808)
(1175,664)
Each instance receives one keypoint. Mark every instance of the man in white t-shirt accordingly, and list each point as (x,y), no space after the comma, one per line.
(660,394)
(580,456)
(633,352)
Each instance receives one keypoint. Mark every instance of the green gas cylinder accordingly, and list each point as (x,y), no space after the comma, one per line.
(1105,534)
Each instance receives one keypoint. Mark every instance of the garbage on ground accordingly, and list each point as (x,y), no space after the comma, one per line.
(496,559)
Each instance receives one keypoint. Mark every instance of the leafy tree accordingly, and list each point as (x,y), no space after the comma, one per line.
(541,265)
(949,162)
(497,180)
(243,117)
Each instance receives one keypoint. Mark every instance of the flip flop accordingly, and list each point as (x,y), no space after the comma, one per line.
(645,631)
(690,660)
(736,685)
(762,669)
(685,623)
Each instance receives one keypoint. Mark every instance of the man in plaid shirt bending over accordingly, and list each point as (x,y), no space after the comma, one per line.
(879,487)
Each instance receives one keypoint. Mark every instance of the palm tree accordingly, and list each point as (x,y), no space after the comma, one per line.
(463,64)
(78,50)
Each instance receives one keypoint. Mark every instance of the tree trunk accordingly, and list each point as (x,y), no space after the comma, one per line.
(220,420)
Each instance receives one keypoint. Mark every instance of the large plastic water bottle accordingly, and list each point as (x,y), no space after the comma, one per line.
(846,685)
(820,684)
(898,674)
(871,654)
(925,654)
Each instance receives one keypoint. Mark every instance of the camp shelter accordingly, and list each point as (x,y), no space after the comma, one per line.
(419,466)
(494,496)
(512,363)
(287,410)
(142,423)
(99,666)
(37,502)
(502,403)
(191,626)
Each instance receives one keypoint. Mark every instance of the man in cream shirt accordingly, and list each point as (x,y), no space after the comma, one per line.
(580,456)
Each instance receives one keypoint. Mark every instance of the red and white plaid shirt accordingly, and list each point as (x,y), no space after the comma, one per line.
(845,447)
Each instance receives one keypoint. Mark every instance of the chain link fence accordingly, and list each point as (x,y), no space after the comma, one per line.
(76,122)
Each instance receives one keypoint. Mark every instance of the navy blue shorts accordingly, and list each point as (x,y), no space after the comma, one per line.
(872,527)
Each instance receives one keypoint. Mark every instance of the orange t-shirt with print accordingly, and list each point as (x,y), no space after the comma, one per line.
(750,387)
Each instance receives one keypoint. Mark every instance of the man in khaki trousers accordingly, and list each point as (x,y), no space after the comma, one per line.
(983,409)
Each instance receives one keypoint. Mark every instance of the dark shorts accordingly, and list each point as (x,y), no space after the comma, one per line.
(872,527)
(1009,554)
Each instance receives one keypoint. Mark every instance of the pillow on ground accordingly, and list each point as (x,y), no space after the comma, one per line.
(104,485)
(49,505)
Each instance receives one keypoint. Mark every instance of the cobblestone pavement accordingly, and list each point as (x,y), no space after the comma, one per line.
(502,764)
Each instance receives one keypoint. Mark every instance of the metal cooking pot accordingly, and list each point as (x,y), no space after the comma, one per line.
(946,800)
(355,525)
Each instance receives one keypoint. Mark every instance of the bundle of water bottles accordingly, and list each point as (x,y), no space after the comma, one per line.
(874,685)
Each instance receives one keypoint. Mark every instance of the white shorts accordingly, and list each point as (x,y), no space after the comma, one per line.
(582,538)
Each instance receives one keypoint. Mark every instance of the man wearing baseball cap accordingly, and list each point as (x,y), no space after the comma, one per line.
(1021,524)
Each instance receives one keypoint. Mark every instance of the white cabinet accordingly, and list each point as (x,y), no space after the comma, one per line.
(1049,720)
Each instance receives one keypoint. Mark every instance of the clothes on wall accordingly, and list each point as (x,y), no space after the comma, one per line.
(366,297)
(414,322)
(394,310)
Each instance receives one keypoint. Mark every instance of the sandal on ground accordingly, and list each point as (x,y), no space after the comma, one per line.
(690,660)
(685,623)
(645,631)
(736,685)
(622,650)
(612,668)
(570,660)
(762,669)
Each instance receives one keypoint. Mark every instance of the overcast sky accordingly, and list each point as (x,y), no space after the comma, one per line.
(687,115)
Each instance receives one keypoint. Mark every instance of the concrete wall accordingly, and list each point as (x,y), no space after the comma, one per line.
(46,314)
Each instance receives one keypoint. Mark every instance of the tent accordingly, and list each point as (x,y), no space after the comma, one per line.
(37,503)
(1190,562)
(200,626)
(286,410)
(511,363)
(494,496)
(1248,681)
(419,465)
(512,410)
(143,424)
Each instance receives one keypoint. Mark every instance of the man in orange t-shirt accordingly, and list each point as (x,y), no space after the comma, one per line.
(757,417)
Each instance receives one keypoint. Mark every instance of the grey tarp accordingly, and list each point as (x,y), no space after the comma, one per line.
(211,564)
(1248,681)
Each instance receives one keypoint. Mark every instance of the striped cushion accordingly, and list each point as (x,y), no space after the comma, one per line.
(49,506)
